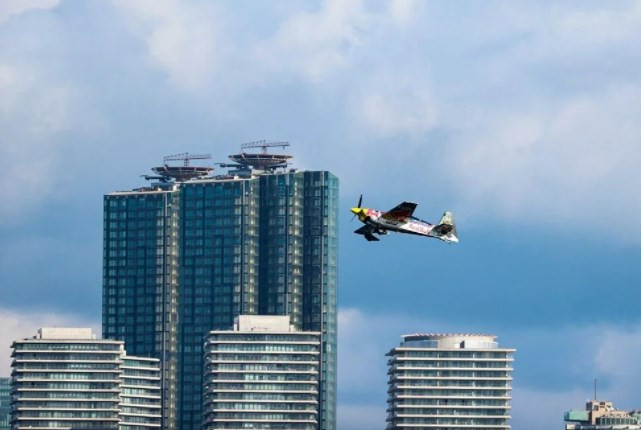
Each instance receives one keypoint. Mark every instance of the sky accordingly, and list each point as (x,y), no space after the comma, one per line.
(521,117)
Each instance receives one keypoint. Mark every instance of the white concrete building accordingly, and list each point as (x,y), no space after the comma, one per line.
(66,378)
(263,375)
(140,401)
(449,381)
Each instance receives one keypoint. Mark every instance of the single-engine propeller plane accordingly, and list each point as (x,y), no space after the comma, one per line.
(401,220)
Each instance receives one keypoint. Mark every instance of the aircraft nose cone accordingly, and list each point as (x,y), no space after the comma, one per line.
(356,210)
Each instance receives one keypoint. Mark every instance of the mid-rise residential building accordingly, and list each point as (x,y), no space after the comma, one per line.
(602,415)
(449,381)
(66,378)
(263,374)
(140,400)
(190,252)
(5,403)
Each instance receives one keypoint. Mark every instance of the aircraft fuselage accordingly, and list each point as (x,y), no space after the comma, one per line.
(375,219)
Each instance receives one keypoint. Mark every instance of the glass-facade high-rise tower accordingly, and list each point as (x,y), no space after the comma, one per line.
(188,254)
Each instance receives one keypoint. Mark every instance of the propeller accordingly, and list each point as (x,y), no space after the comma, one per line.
(360,201)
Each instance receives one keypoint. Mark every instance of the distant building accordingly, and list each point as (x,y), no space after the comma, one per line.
(263,374)
(66,378)
(600,415)
(189,253)
(5,403)
(449,381)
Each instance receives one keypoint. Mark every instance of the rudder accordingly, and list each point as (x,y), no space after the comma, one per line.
(446,228)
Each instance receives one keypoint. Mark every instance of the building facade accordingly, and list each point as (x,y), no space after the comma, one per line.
(263,374)
(66,378)
(184,257)
(5,403)
(140,401)
(449,381)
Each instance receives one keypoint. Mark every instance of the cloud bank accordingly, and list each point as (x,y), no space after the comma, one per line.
(530,119)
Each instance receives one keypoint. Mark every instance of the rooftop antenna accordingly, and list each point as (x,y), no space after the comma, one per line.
(263,144)
(185,157)
(595,389)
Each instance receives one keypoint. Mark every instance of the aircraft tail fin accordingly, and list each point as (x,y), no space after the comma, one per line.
(446,228)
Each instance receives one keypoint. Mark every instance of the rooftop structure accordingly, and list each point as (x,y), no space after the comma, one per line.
(184,172)
(602,415)
(246,164)
(451,341)
(52,333)
(261,161)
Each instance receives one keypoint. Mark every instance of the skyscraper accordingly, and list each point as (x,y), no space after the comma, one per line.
(262,374)
(453,381)
(191,252)
(5,403)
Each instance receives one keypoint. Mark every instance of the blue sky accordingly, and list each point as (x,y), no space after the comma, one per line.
(520,117)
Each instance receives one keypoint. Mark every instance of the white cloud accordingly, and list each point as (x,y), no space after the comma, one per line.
(184,39)
(329,45)
(42,108)
(17,7)
(406,12)
(33,112)
(315,45)
(573,161)
(16,325)
(532,121)
(392,105)
(509,144)
(617,357)
(577,31)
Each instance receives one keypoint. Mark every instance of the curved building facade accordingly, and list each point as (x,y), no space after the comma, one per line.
(449,381)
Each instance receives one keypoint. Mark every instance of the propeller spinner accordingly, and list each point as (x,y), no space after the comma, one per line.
(357,209)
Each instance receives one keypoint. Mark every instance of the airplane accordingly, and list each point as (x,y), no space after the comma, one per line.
(401,220)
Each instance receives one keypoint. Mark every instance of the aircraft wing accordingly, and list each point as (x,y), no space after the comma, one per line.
(401,212)
(368,232)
